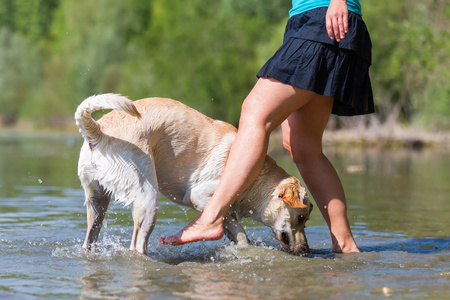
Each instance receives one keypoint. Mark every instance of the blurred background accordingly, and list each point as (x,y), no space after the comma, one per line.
(55,53)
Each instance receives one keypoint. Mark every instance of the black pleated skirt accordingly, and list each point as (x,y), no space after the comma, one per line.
(310,60)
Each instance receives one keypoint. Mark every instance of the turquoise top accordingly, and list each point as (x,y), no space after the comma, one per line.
(300,6)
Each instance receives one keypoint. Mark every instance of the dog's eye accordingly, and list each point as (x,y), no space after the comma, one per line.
(301,219)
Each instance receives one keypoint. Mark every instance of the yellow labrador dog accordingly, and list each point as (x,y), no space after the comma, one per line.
(161,145)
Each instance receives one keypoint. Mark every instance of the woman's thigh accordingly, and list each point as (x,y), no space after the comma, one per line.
(270,102)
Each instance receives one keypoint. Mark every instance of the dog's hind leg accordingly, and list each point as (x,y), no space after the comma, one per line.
(97,201)
(145,203)
(144,216)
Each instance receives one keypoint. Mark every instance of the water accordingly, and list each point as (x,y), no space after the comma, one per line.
(399,211)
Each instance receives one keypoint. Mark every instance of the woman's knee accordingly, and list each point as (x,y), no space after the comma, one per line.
(287,146)
(303,131)
(254,117)
(302,151)
(306,157)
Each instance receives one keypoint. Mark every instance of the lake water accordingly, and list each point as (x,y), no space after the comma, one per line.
(399,210)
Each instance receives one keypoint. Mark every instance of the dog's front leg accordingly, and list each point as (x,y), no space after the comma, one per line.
(234,231)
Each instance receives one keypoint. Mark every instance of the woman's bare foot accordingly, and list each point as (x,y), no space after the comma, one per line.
(345,246)
(197,230)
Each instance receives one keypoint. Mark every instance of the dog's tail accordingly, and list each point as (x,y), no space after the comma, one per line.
(88,127)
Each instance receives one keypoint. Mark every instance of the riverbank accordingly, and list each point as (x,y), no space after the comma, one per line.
(381,136)
(391,138)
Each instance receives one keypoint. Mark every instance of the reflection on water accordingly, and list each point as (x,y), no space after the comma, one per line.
(398,209)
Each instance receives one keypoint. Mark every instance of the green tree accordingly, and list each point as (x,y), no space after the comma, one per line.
(55,53)
(411,57)
(24,27)
(18,73)
(206,55)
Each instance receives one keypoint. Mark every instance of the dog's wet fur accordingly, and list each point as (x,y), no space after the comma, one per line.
(158,145)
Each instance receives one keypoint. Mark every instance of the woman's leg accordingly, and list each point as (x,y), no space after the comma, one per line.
(269,103)
(302,137)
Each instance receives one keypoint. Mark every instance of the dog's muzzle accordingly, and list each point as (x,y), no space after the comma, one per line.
(295,244)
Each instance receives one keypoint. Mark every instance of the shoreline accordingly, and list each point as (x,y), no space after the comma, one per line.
(381,137)
(401,138)
(393,138)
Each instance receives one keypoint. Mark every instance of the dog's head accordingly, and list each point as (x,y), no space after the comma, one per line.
(287,213)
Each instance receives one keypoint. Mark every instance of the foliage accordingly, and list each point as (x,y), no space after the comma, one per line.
(18,73)
(411,47)
(55,53)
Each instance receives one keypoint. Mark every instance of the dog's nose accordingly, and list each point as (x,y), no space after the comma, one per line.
(292,246)
(302,250)
(305,250)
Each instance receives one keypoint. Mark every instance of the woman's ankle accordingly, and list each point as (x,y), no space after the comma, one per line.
(344,246)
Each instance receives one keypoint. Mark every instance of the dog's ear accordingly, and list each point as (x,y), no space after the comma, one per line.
(290,195)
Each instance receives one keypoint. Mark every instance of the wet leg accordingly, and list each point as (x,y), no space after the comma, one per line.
(145,204)
(302,137)
(268,104)
(234,231)
(144,217)
(97,201)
